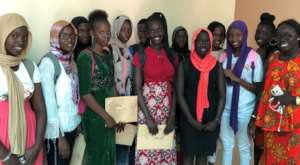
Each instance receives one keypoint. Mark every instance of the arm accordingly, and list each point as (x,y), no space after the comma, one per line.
(212,125)
(171,119)
(138,82)
(251,87)
(222,92)
(84,63)
(90,101)
(47,72)
(38,106)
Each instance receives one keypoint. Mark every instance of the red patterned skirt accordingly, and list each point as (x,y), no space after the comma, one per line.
(158,101)
(281,148)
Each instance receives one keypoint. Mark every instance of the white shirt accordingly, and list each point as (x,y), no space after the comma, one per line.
(247,99)
(62,112)
(23,75)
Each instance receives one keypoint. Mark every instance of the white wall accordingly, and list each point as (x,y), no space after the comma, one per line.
(41,14)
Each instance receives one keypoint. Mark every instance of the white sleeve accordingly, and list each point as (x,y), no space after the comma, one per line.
(258,70)
(47,72)
(36,74)
(224,64)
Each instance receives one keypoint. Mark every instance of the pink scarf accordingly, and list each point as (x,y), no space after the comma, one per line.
(204,66)
(66,59)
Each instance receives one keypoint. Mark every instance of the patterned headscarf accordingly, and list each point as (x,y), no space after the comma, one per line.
(66,59)
(122,58)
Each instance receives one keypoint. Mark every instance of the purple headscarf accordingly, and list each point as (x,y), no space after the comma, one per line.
(237,70)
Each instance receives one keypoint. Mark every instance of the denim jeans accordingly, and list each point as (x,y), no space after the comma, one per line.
(228,138)
(122,154)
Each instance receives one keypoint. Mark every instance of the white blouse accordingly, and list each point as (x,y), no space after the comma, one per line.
(23,75)
(62,112)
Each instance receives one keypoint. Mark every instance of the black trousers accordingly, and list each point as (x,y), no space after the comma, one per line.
(52,150)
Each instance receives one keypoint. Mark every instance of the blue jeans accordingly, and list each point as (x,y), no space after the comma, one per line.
(122,155)
(228,140)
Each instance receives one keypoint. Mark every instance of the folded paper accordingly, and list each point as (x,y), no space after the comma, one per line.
(122,109)
(145,140)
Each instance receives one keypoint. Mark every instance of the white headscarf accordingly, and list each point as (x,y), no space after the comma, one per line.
(122,61)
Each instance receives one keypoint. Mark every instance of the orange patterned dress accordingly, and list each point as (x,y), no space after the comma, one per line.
(281,132)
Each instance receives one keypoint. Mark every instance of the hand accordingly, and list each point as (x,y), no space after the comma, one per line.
(285,99)
(170,125)
(229,74)
(63,148)
(110,122)
(13,160)
(30,155)
(211,126)
(251,129)
(120,127)
(78,130)
(152,127)
(197,125)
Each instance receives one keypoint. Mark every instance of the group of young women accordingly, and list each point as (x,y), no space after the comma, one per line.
(206,94)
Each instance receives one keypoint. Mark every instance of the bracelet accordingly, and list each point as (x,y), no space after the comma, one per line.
(7,157)
(297,100)
(253,116)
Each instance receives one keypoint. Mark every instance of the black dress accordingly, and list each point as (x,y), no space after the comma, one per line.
(193,141)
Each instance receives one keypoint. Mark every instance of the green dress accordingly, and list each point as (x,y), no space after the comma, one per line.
(100,141)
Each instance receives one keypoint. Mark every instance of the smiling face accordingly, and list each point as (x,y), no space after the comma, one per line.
(17,41)
(235,38)
(263,35)
(67,39)
(125,32)
(218,37)
(202,44)
(287,38)
(156,33)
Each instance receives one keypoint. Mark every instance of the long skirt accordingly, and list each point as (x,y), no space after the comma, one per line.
(158,101)
(30,125)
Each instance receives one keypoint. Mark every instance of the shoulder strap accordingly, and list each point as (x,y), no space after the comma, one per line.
(57,68)
(142,59)
(90,52)
(29,66)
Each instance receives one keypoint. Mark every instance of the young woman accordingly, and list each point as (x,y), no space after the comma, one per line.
(201,96)
(97,83)
(155,80)
(281,129)
(244,72)
(61,91)
(83,32)
(22,105)
(180,42)
(264,37)
(142,35)
(121,33)
(219,34)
